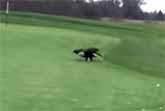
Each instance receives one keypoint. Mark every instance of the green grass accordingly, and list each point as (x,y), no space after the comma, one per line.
(38,71)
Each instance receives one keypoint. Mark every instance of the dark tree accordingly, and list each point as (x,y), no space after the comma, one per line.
(160,16)
(132,9)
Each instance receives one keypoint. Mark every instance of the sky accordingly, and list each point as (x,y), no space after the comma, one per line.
(152,5)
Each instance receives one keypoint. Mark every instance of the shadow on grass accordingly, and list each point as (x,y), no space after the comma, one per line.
(83,60)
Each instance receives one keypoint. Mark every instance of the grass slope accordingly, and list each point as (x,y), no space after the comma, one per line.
(38,71)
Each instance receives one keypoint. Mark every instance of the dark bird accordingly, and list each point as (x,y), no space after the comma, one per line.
(88,53)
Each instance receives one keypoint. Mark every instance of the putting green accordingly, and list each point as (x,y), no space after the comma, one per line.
(39,72)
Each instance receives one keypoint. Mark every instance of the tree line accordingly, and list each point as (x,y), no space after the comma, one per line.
(117,9)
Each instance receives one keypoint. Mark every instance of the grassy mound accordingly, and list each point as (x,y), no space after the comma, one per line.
(144,55)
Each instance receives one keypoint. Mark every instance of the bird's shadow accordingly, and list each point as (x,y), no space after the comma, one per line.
(83,60)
